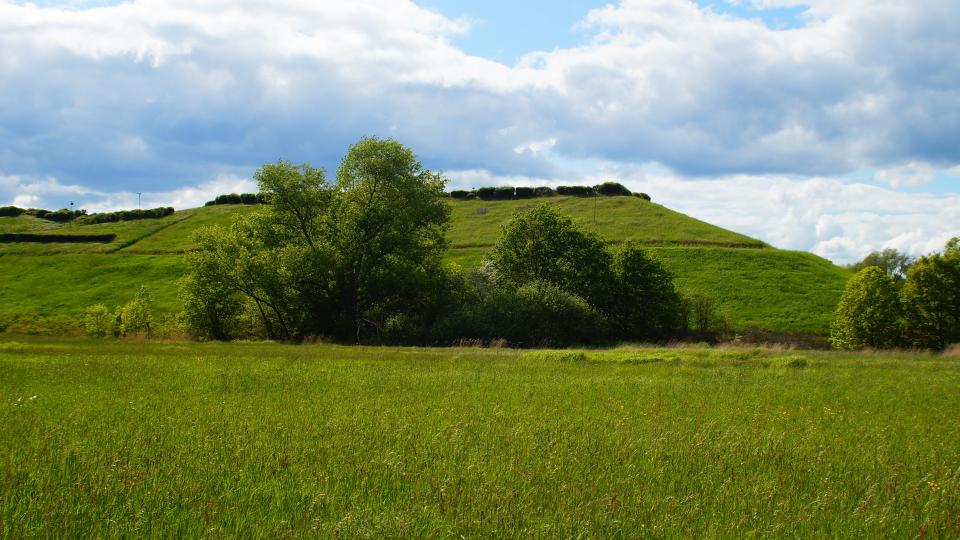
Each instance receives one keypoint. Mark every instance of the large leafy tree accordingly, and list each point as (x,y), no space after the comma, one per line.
(321,258)
(868,313)
(387,227)
(931,299)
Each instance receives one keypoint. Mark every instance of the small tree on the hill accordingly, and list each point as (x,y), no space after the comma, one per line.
(96,321)
(868,313)
(136,314)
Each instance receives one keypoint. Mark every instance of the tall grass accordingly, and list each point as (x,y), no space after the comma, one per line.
(191,440)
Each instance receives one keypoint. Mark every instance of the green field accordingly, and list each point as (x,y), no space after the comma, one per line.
(756,285)
(135,439)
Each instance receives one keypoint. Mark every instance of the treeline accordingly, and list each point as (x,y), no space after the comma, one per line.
(503,193)
(238,198)
(60,216)
(126,215)
(360,260)
(81,217)
(894,301)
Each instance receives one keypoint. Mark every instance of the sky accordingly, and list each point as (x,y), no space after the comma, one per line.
(830,126)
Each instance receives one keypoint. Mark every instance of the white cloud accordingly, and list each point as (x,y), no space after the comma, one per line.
(911,174)
(152,95)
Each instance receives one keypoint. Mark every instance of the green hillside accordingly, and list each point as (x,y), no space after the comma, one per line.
(756,285)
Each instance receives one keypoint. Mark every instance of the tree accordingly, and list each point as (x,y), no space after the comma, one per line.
(542,244)
(868,313)
(96,321)
(891,261)
(931,299)
(327,259)
(137,313)
(642,302)
(388,226)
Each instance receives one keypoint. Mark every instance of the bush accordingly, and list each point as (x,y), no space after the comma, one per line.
(241,198)
(486,193)
(136,315)
(642,303)
(612,189)
(868,313)
(127,215)
(544,191)
(97,321)
(504,193)
(524,193)
(643,196)
(537,314)
(703,319)
(459,194)
(10,211)
(576,191)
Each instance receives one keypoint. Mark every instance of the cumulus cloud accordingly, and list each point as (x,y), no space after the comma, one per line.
(159,95)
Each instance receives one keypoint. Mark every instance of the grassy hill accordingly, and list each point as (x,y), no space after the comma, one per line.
(756,285)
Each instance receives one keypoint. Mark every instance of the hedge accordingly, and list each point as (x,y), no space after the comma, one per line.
(10,238)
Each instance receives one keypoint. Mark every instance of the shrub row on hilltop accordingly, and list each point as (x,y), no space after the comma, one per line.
(503,193)
(82,218)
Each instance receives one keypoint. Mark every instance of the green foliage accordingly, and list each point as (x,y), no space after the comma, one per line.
(612,189)
(10,211)
(126,215)
(931,300)
(326,259)
(891,261)
(542,244)
(241,198)
(97,321)
(136,315)
(868,314)
(703,318)
(641,302)
(576,191)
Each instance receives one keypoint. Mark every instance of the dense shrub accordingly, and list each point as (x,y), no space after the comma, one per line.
(576,191)
(503,193)
(241,198)
(43,238)
(97,321)
(868,313)
(612,189)
(544,191)
(10,211)
(486,193)
(641,302)
(643,196)
(524,193)
(126,215)
(459,194)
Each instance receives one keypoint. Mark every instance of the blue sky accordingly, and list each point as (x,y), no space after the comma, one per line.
(824,125)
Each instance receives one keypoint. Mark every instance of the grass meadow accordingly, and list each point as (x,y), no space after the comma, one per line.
(143,439)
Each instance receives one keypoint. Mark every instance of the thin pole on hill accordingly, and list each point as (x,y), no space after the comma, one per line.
(138,200)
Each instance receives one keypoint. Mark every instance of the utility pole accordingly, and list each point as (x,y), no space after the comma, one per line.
(138,199)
